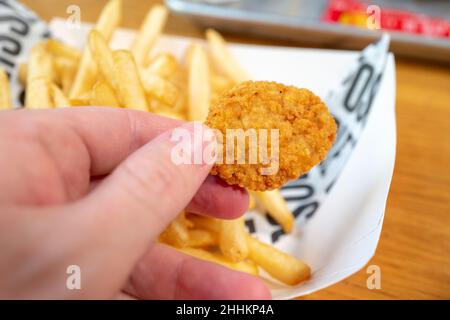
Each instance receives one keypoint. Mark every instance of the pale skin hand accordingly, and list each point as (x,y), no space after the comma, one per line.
(95,187)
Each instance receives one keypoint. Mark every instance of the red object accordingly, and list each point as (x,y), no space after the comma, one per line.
(339,11)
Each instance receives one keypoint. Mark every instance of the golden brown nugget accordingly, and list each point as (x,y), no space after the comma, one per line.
(306,132)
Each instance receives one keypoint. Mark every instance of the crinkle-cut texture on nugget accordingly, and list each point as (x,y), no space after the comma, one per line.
(306,131)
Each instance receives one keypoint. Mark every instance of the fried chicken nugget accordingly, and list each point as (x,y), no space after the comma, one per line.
(306,132)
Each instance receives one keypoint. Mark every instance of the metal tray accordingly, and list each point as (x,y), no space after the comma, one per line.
(301,20)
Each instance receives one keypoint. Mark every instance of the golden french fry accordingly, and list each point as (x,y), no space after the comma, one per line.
(149,33)
(163,65)
(166,112)
(65,69)
(51,66)
(219,84)
(278,264)
(223,58)
(40,63)
(5,93)
(233,239)
(82,100)
(202,238)
(39,76)
(198,85)
(103,95)
(58,97)
(38,93)
(78,102)
(187,55)
(159,88)
(243,266)
(129,89)
(23,73)
(176,234)
(103,57)
(180,106)
(63,50)
(179,79)
(86,74)
(206,223)
(277,208)
(251,202)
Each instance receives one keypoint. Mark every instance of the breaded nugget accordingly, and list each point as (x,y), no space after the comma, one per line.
(306,132)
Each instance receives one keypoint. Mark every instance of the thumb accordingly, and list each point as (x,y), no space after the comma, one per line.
(151,187)
(133,205)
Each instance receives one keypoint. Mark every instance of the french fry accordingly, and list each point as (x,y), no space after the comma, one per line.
(149,33)
(278,264)
(242,266)
(223,58)
(180,106)
(176,234)
(65,69)
(159,88)
(205,223)
(163,65)
(63,50)
(5,94)
(38,93)
(179,79)
(251,202)
(202,238)
(50,64)
(58,97)
(130,91)
(86,74)
(23,73)
(103,95)
(164,110)
(187,55)
(198,85)
(39,76)
(233,239)
(81,100)
(103,57)
(219,84)
(277,208)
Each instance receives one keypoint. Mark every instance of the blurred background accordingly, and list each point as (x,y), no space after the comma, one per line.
(414,250)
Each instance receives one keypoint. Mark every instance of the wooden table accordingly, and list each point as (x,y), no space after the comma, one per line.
(414,250)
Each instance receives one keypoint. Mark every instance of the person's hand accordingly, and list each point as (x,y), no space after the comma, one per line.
(94,187)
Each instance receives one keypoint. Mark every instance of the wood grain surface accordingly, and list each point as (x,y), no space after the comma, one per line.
(414,250)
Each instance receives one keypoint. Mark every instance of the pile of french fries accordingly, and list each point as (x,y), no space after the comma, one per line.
(57,75)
